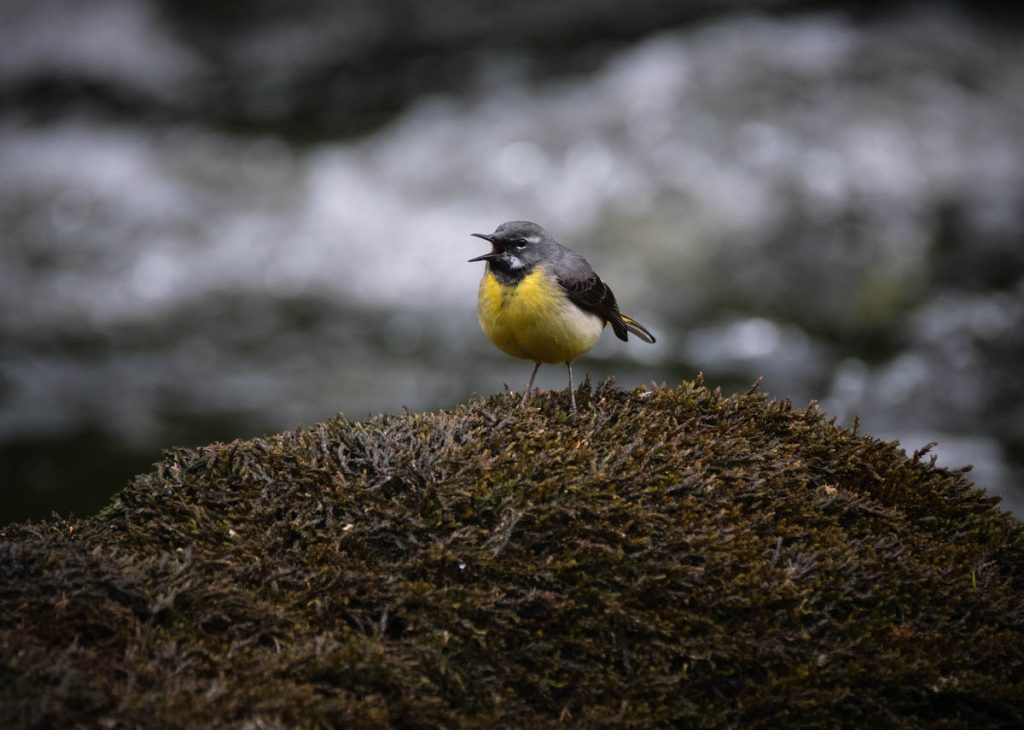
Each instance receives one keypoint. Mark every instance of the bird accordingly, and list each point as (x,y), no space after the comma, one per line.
(542,301)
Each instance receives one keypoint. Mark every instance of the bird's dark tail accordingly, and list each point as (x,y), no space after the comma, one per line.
(638,329)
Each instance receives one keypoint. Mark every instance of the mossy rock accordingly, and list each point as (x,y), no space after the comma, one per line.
(676,558)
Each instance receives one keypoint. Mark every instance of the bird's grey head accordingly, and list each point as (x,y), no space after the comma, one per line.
(517,246)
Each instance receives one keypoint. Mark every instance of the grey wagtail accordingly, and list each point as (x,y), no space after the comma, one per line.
(543,302)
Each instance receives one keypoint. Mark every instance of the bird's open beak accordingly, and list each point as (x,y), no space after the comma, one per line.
(487,256)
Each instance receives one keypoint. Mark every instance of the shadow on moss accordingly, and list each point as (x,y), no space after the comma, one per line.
(676,557)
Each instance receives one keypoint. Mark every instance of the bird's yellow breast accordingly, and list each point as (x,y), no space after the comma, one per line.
(534,319)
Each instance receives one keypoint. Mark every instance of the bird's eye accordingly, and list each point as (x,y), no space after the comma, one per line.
(520,244)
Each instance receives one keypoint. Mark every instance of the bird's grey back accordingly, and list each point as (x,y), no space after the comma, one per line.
(569,266)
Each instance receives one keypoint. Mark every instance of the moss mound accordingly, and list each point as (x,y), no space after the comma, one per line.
(677,557)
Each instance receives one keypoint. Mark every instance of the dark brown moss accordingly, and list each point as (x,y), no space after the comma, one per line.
(677,557)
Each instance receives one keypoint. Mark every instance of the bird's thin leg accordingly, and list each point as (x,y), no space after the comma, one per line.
(572,392)
(529,386)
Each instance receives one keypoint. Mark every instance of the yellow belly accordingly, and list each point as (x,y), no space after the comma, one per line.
(535,320)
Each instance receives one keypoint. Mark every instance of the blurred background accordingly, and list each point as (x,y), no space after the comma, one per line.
(222,219)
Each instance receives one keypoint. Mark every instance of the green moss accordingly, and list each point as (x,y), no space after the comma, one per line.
(677,557)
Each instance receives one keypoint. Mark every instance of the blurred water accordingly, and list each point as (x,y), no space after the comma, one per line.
(834,204)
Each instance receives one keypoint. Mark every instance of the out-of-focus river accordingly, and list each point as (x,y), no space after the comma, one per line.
(833,203)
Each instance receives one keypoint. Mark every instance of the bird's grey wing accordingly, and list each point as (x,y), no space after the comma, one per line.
(586,290)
